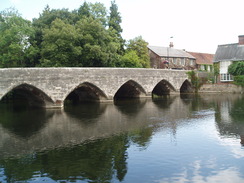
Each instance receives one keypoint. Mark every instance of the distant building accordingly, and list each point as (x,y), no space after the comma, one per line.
(204,61)
(227,54)
(170,58)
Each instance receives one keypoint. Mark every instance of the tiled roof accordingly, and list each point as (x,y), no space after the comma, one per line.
(170,52)
(229,52)
(203,58)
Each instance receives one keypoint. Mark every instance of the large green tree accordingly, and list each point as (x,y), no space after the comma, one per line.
(139,45)
(60,46)
(14,39)
(99,44)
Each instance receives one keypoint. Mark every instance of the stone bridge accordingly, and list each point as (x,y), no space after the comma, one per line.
(51,87)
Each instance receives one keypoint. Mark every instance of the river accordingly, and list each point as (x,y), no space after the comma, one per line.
(177,139)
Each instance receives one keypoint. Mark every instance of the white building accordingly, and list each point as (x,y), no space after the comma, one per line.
(226,55)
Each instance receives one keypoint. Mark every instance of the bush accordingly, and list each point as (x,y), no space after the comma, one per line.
(239,80)
(237,68)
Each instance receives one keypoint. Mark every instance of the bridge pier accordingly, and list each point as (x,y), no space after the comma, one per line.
(58,104)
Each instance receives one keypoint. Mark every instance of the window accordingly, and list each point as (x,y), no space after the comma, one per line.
(182,61)
(226,77)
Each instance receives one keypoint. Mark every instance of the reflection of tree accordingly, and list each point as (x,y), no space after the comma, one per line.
(94,161)
(229,116)
(141,137)
(237,111)
(197,102)
(24,122)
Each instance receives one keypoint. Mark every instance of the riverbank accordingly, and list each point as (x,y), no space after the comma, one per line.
(221,88)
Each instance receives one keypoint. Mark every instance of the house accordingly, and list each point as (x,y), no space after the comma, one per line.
(170,58)
(227,54)
(204,61)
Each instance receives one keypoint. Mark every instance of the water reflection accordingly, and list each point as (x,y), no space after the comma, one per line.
(117,142)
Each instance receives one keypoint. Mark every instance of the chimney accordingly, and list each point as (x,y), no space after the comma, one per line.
(241,40)
(171,45)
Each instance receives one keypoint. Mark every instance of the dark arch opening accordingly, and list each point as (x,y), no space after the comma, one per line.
(162,88)
(129,90)
(26,95)
(85,92)
(186,87)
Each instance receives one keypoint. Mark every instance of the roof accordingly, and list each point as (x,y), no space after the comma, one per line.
(203,58)
(229,52)
(170,52)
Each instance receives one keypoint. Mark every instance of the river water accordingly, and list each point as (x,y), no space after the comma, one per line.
(177,139)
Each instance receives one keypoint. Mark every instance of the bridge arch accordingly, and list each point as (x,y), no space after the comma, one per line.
(85,92)
(186,87)
(130,89)
(29,94)
(163,88)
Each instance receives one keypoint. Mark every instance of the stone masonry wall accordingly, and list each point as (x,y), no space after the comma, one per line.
(221,88)
(57,83)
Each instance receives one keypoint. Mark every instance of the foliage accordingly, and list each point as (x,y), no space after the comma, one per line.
(195,80)
(14,35)
(236,68)
(100,45)
(216,71)
(115,18)
(114,21)
(239,80)
(85,37)
(130,59)
(60,45)
(140,47)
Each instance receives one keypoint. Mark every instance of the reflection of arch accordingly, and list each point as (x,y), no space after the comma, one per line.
(86,92)
(186,87)
(22,122)
(130,107)
(164,102)
(130,89)
(162,88)
(86,111)
(30,94)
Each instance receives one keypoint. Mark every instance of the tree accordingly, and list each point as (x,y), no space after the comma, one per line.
(96,10)
(236,68)
(99,45)
(14,35)
(130,59)
(44,22)
(114,22)
(140,47)
(115,18)
(60,46)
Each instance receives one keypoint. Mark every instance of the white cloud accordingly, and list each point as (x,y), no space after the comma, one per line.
(228,175)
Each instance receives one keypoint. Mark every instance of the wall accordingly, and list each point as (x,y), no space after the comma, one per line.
(221,88)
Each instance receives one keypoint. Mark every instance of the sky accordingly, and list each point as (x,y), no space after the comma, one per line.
(195,25)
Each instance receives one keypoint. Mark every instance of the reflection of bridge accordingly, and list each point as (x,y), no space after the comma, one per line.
(50,87)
